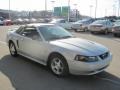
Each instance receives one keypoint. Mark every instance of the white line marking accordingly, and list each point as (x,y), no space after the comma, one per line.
(107,79)
(2,42)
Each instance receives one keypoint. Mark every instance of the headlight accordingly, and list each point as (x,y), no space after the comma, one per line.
(86,58)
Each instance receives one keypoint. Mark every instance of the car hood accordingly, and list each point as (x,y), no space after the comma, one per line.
(81,46)
(116,26)
(96,24)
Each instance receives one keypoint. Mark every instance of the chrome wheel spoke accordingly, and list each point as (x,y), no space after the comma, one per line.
(57,66)
(12,48)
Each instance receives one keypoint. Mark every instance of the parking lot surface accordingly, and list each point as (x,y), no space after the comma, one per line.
(25,74)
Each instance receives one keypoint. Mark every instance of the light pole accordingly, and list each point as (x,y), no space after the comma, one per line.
(9,11)
(75,11)
(45,9)
(105,12)
(91,10)
(45,5)
(53,8)
(68,10)
(96,7)
(114,10)
(118,7)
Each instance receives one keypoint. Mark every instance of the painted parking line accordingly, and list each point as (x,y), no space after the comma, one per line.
(2,42)
(108,79)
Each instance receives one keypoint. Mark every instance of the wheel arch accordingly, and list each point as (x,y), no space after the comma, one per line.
(10,41)
(54,53)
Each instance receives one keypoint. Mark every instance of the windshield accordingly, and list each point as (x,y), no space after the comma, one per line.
(100,22)
(54,32)
(117,23)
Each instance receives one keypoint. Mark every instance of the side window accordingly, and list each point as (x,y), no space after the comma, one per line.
(19,30)
(31,32)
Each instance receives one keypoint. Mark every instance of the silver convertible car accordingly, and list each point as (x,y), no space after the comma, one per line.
(58,49)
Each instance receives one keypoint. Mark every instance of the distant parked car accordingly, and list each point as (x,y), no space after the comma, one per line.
(8,22)
(18,21)
(101,26)
(116,29)
(61,22)
(82,24)
(1,22)
(33,20)
(26,21)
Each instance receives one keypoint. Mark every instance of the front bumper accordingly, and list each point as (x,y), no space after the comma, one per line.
(88,68)
(97,29)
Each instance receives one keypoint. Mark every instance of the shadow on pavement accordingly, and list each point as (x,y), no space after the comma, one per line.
(28,75)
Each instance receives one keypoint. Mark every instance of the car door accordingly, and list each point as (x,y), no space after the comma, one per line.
(31,44)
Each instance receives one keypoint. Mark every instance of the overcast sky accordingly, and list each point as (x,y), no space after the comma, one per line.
(105,7)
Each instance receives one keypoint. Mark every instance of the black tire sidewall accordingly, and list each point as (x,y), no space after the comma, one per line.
(15,54)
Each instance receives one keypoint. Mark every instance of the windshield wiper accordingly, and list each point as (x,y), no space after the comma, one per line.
(66,37)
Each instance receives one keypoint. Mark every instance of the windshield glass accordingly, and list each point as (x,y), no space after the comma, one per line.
(100,22)
(82,21)
(54,32)
(117,23)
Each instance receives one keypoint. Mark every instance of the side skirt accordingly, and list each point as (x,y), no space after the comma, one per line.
(33,59)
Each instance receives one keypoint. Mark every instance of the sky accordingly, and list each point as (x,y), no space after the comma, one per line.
(104,7)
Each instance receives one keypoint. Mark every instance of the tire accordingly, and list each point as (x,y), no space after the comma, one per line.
(85,30)
(12,49)
(106,32)
(75,30)
(58,65)
(115,35)
(92,32)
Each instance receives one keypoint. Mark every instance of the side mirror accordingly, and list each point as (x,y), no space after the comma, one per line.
(23,34)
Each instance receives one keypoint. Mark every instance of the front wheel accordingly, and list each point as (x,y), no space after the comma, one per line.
(58,65)
(106,32)
(92,32)
(75,30)
(12,49)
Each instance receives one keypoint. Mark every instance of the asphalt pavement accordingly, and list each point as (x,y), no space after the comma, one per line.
(24,74)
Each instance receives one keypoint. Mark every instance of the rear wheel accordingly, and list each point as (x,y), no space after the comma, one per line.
(116,35)
(75,30)
(12,49)
(58,65)
(106,32)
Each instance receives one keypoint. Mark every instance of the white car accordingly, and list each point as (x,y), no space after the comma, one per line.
(55,47)
(61,22)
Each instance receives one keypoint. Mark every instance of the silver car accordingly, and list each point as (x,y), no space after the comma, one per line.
(101,26)
(82,24)
(116,28)
(62,22)
(55,47)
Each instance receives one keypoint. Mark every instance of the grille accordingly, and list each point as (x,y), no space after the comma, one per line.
(104,56)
